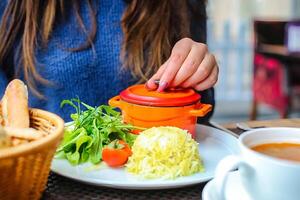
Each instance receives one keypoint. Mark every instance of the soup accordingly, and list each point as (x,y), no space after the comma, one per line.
(287,151)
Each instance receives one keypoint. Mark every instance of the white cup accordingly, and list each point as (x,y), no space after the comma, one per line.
(264,177)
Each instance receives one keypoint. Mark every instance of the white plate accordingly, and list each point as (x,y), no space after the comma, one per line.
(234,189)
(213,146)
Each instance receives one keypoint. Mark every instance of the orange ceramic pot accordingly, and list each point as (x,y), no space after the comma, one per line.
(174,107)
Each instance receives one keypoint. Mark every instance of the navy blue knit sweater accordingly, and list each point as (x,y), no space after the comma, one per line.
(93,75)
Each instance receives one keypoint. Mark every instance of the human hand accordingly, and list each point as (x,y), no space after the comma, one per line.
(190,65)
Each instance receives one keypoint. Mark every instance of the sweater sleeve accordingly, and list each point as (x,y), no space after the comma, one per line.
(3,76)
(3,4)
(3,83)
(197,14)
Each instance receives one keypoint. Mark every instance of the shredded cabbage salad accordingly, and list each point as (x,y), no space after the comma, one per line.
(164,152)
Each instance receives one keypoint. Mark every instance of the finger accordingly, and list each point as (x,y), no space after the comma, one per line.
(210,81)
(191,64)
(178,55)
(150,84)
(203,71)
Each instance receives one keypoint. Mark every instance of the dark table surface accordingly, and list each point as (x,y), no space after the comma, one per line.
(59,187)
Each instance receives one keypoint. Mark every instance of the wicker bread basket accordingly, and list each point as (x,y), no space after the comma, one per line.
(24,169)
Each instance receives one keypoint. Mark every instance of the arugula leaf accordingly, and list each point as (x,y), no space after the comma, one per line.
(84,156)
(96,147)
(73,158)
(92,129)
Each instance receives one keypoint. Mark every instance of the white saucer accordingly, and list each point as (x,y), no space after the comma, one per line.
(234,189)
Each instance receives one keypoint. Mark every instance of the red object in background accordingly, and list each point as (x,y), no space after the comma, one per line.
(270,84)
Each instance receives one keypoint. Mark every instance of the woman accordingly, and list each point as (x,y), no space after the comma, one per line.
(63,49)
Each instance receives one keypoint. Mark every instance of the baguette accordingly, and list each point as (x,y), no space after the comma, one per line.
(23,133)
(18,141)
(4,138)
(1,118)
(15,112)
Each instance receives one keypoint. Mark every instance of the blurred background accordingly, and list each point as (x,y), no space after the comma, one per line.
(257,45)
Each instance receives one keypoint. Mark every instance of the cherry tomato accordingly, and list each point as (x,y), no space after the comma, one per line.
(116,153)
(136,131)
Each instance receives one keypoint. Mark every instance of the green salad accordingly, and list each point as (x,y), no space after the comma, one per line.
(92,129)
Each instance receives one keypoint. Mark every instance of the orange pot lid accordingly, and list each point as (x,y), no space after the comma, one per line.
(138,94)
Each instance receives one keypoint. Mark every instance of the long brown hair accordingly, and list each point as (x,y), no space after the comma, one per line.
(150,30)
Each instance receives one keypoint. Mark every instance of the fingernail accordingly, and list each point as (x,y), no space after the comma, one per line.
(156,81)
(162,85)
(148,88)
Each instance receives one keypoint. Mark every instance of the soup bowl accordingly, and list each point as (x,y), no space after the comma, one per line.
(263,176)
